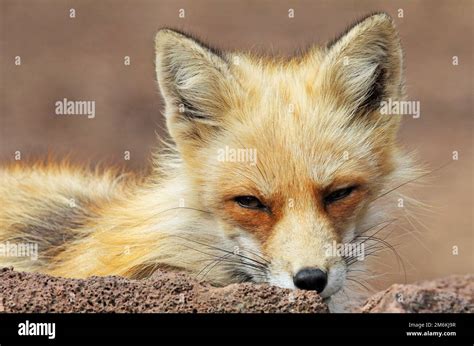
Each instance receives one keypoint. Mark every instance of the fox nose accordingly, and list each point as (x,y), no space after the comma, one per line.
(311,279)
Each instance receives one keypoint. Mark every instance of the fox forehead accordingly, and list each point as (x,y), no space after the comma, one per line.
(292,154)
(272,74)
(278,86)
(284,174)
(287,166)
(281,113)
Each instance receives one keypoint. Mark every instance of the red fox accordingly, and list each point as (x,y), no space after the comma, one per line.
(272,161)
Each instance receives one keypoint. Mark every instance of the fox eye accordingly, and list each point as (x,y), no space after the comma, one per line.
(249,202)
(338,194)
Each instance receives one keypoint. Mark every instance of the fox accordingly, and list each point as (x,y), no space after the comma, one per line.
(323,154)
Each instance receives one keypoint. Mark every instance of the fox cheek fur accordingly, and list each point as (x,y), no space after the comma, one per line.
(321,154)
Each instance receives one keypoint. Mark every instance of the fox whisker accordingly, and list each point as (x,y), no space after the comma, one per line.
(358,282)
(381,244)
(261,264)
(211,265)
(411,180)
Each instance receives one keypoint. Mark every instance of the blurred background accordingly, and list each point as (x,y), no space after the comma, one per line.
(82,58)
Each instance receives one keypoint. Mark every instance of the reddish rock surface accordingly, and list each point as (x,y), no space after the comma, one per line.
(447,295)
(177,292)
(164,292)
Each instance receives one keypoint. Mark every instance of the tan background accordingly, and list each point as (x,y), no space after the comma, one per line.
(82,59)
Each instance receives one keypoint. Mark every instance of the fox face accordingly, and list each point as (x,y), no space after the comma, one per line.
(287,155)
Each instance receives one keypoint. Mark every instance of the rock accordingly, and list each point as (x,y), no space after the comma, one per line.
(169,291)
(452,294)
(163,292)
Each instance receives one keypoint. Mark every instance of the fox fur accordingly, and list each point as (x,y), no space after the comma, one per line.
(315,123)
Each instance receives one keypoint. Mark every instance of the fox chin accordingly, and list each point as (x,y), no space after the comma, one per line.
(271,164)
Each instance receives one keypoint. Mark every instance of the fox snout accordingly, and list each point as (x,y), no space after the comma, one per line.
(301,253)
(311,279)
(326,279)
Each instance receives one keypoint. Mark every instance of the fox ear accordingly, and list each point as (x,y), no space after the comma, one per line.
(193,80)
(364,66)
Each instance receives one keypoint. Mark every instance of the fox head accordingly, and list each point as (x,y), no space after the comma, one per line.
(287,154)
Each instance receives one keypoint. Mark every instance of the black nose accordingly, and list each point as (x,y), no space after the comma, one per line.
(311,279)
